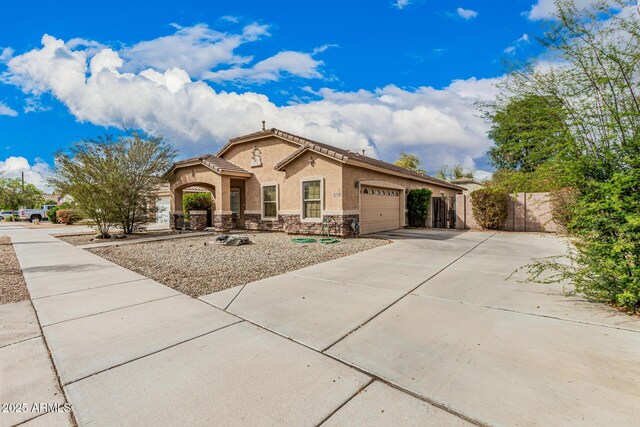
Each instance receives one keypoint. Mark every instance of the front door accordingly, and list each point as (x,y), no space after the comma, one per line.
(236,208)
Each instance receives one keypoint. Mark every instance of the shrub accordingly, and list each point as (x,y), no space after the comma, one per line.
(563,204)
(195,202)
(418,206)
(51,213)
(490,207)
(68,216)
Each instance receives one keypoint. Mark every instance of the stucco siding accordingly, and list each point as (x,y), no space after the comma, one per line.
(193,175)
(325,169)
(351,175)
(272,150)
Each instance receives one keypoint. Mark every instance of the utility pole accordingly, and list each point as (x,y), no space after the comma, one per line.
(23,181)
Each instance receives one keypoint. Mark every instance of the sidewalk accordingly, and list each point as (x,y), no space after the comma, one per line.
(130,351)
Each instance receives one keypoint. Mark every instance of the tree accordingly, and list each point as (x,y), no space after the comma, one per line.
(410,161)
(14,195)
(111,179)
(597,88)
(528,131)
(455,172)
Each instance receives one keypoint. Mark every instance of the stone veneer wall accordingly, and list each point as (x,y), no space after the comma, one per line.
(222,222)
(172,218)
(198,220)
(339,225)
(255,222)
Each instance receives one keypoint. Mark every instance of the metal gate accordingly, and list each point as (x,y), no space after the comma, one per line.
(443,212)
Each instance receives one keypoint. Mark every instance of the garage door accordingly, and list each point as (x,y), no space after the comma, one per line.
(379,209)
(163,206)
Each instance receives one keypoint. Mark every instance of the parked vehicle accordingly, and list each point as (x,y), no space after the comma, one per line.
(33,214)
(7,214)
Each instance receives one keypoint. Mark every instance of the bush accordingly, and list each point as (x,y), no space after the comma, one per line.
(563,203)
(68,216)
(195,202)
(51,213)
(418,201)
(490,207)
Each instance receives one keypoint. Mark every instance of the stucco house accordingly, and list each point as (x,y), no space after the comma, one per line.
(274,180)
(469,184)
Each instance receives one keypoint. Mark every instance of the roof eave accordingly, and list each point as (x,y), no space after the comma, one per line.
(254,137)
(303,149)
(425,179)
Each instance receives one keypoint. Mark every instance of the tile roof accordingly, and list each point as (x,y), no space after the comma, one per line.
(216,164)
(341,155)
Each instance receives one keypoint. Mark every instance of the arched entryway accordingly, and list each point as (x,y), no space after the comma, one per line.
(224,181)
(178,196)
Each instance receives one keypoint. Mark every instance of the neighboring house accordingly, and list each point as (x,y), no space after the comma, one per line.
(469,184)
(274,180)
(58,198)
(160,210)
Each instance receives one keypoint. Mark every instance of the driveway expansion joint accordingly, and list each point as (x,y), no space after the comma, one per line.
(408,292)
(357,392)
(366,372)
(89,289)
(524,313)
(153,352)
(21,341)
(109,311)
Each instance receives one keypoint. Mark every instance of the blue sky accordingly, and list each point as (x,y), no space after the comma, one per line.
(381,75)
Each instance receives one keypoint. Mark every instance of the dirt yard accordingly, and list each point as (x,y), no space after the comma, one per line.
(88,238)
(191,267)
(12,285)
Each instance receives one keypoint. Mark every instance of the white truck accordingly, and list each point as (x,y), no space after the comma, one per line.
(33,214)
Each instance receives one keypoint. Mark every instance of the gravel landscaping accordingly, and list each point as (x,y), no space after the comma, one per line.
(87,238)
(12,285)
(191,267)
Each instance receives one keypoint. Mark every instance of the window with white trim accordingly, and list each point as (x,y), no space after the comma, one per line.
(269,201)
(312,199)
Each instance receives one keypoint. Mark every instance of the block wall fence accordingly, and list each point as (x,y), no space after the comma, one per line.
(527,212)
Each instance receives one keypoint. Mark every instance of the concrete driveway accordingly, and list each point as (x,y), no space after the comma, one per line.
(435,315)
(424,331)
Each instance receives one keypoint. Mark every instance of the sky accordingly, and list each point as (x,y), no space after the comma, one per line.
(380,75)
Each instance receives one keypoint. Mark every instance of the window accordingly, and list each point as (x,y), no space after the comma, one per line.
(311,199)
(235,200)
(269,201)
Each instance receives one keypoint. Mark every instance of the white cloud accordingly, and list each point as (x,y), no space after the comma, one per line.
(544,9)
(5,110)
(197,49)
(299,64)
(517,44)
(440,125)
(480,175)
(401,4)
(35,174)
(6,54)
(466,13)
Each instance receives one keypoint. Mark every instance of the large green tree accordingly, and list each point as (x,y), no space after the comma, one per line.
(15,195)
(528,131)
(113,179)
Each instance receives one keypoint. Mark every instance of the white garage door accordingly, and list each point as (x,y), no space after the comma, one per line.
(379,209)
(163,205)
